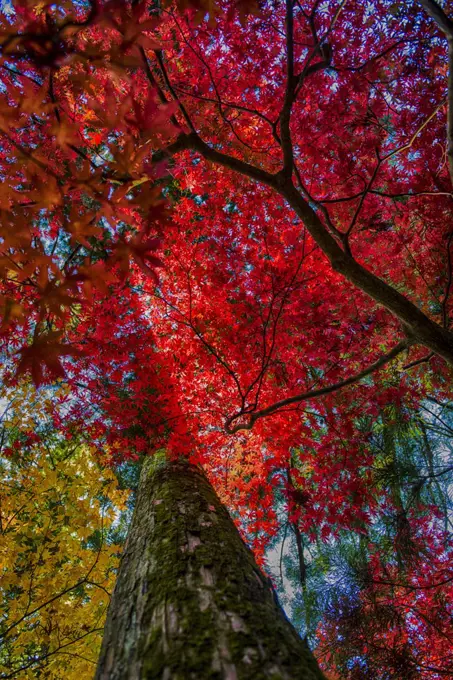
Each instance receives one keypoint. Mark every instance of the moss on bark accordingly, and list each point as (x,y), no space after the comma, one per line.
(190,601)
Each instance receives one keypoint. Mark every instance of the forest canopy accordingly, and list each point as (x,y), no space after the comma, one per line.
(226,234)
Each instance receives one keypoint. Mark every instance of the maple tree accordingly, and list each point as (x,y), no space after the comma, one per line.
(227,228)
(57,556)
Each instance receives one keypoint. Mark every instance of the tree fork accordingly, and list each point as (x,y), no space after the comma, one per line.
(190,601)
(422,330)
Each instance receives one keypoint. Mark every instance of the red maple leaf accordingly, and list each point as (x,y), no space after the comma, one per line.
(45,353)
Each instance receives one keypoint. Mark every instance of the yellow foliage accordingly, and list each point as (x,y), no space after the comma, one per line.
(57,559)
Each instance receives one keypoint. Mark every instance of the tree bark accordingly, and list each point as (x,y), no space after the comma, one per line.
(190,601)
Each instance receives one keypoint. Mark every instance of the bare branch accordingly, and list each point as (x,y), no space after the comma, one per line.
(160,59)
(360,205)
(420,129)
(193,141)
(417,362)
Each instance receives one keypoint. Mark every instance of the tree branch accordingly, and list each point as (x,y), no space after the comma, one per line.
(285,115)
(160,59)
(314,394)
(193,141)
(421,328)
(445,24)
(435,11)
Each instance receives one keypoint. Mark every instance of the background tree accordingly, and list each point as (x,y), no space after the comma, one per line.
(59,545)
(377,600)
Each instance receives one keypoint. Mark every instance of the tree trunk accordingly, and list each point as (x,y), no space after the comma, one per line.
(190,601)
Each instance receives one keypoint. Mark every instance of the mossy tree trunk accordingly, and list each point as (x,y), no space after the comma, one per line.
(190,601)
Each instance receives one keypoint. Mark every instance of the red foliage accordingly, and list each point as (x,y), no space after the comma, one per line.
(133,139)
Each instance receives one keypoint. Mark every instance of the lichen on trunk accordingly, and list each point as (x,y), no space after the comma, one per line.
(190,601)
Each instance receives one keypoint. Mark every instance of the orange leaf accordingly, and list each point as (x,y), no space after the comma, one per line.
(44,353)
